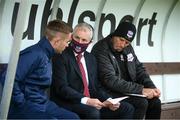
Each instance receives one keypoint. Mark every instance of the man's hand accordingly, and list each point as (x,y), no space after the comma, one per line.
(111,106)
(151,92)
(95,103)
(148,92)
(157,92)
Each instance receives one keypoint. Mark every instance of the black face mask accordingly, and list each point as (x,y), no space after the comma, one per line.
(78,47)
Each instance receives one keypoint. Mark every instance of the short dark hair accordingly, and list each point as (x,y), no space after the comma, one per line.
(55,26)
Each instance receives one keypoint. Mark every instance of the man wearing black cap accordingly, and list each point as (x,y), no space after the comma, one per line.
(122,73)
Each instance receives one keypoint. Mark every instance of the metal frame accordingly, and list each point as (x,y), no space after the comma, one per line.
(11,70)
(14,56)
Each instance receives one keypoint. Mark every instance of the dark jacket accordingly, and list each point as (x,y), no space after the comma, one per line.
(33,75)
(67,86)
(110,72)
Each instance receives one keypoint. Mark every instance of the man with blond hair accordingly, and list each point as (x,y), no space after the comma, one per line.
(33,76)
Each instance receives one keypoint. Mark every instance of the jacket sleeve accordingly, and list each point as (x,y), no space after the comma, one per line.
(25,65)
(61,85)
(100,92)
(108,72)
(142,77)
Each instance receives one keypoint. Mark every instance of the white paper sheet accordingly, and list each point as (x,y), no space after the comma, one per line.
(136,95)
(117,100)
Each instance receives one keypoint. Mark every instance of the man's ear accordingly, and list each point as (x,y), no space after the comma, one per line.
(54,41)
(90,42)
(71,36)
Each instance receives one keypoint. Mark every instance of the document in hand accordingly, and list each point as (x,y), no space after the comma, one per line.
(136,95)
(117,100)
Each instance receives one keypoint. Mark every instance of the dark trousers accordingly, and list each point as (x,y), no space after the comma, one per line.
(125,111)
(145,108)
(52,111)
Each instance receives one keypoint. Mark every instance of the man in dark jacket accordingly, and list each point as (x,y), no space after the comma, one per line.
(33,77)
(75,85)
(121,72)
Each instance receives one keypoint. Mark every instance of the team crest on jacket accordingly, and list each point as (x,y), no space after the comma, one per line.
(130,57)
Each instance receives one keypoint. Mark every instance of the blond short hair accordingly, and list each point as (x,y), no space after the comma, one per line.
(55,26)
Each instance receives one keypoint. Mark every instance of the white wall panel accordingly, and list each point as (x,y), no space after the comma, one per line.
(171,44)
(119,9)
(172,89)
(146,52)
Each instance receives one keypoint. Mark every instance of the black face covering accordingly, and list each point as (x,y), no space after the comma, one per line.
(79,47)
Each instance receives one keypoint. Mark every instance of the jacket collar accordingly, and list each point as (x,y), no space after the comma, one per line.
(109,41)
(47,47)
(72,57)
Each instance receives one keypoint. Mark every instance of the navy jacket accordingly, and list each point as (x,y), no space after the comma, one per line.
(67,86)
(33,75)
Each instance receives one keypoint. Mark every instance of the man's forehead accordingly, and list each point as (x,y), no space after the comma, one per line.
(124,39)
(82,36)
(63,35)
(121,38)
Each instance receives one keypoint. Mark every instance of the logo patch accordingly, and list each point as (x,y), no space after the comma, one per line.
(130,34)
(130,57)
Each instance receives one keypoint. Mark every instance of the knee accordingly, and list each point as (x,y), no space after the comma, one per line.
(93,113)
(143,103)
(155,103)
(128,108)
(131,109)
(90,113)
(74,116)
